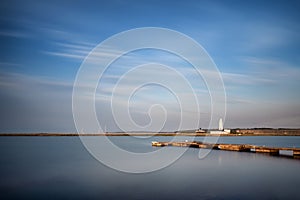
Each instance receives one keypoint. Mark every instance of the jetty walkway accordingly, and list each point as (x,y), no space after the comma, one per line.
(274,151)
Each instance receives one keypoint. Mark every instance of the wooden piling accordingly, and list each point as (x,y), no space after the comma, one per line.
(271,151)
(296,154)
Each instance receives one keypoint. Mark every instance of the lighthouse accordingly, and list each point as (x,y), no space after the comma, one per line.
(221,128)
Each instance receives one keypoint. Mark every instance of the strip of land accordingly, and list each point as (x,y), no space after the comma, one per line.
(234,133)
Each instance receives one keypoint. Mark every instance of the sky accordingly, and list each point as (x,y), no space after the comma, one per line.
(254,44)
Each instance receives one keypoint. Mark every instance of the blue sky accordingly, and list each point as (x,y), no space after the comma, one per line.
(255,45)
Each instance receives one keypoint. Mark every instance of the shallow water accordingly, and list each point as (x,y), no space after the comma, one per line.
(61,167)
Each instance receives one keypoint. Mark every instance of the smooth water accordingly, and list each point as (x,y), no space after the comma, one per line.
(61,168)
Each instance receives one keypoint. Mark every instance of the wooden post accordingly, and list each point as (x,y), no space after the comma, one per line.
(296,154)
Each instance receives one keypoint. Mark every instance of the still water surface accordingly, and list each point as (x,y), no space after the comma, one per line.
(61,168)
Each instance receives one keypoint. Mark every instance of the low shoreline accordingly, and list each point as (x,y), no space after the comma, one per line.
(144,134)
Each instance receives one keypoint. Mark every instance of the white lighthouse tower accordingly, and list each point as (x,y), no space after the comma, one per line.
(221,128)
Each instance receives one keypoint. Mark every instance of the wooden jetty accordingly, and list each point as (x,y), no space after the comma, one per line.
(275,151)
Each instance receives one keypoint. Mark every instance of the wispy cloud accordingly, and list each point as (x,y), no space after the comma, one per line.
(80,51)
(71,50)
(260,61)
(66,55)
(244,79)
(265,36)
(262,72)
(13,33)
(9,64)
(273,68)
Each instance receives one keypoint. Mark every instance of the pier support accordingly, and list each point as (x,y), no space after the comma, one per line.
(233,147)
(296,154)
(271,151)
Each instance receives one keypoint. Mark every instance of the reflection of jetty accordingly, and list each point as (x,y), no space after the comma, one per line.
(276,151)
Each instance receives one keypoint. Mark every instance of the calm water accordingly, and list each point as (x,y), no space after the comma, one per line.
(61,168)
